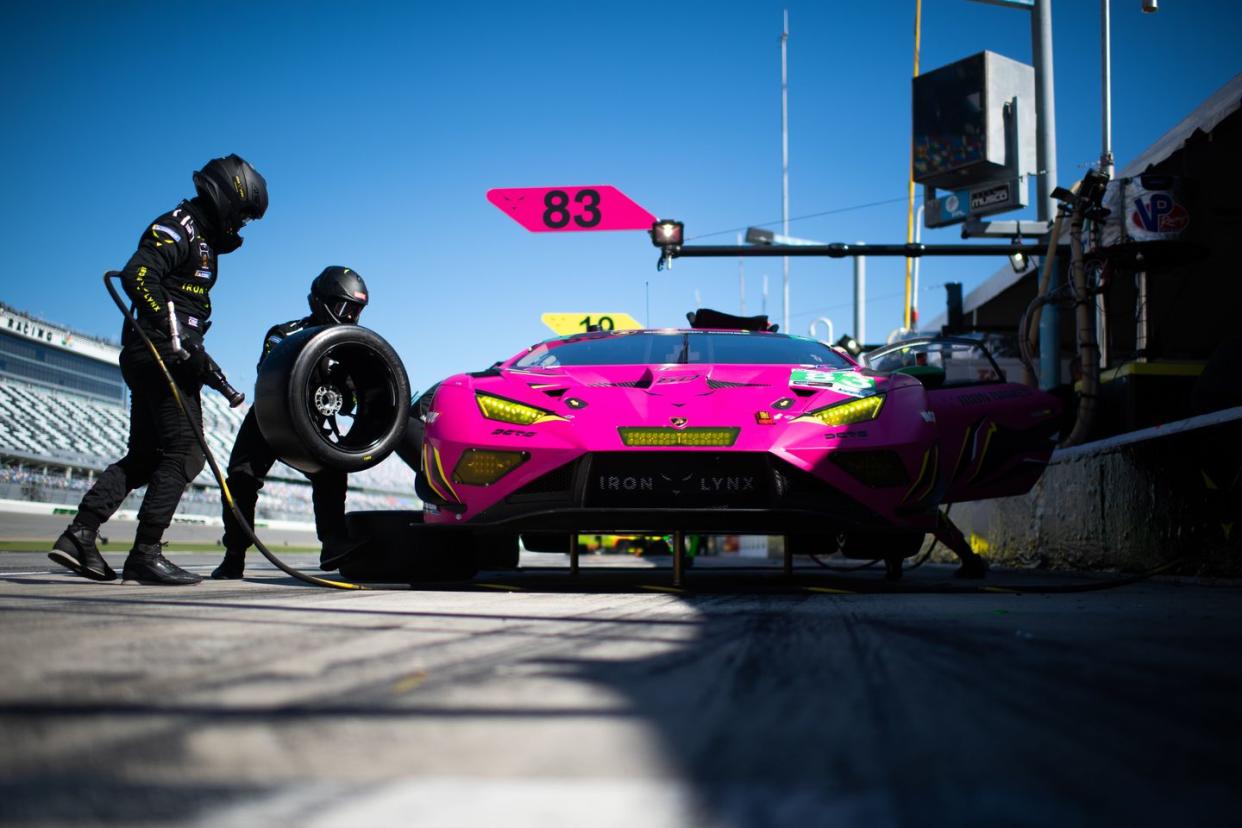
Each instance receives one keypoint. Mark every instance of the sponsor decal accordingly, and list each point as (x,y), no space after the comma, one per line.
(845,435)
(30,329)
(690,482)
(202,274)
(512,432)
(843,382)
(989,197)
(156,229)
(982,397)
(1159,213)
(185,221)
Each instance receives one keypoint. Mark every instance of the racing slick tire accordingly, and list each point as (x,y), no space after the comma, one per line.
(859,543)
(887,545)
(320,379)
(495,550)
(397,547)
(546,541)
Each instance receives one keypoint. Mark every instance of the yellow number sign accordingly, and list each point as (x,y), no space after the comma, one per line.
(564,324)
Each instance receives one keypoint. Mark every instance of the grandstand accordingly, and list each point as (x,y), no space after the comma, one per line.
(64,417)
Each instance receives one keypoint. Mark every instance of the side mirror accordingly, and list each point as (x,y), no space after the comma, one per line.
(932,376)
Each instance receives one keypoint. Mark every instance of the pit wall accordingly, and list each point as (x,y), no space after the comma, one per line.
(1131,502)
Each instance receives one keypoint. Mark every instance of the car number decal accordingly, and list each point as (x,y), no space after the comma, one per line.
(843,382)
(560,209)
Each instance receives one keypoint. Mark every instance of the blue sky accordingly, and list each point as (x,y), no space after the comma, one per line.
(380,126)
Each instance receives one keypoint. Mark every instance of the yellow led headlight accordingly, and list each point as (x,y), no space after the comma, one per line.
(845,413)
(480,467)
(509,411)
(661,437)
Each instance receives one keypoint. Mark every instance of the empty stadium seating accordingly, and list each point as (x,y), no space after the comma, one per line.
(40,428)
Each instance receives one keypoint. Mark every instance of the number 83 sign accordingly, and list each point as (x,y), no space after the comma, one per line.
(561,209)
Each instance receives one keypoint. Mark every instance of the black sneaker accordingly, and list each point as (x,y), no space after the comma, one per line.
(231,568)
(76,550)
(337,549)
(146,564)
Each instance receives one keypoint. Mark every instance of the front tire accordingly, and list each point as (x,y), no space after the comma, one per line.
(332,398)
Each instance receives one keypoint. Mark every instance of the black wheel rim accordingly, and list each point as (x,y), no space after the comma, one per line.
(352,398)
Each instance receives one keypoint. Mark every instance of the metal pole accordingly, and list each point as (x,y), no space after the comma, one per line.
(1045,181)
(860,298)
(914,299)
(1106,154)
(741,280)
(785,159)
(1106,82)
(842,250)
(679,545)
(910,231)
(573,553)
(1141,330)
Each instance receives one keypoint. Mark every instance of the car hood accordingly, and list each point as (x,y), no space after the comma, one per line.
(685,395)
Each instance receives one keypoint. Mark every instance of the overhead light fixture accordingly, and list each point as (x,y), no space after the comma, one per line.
(668,233)
(850,345)
(1018,259)
(760,235)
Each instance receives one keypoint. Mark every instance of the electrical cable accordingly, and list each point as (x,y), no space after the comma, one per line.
(197,428)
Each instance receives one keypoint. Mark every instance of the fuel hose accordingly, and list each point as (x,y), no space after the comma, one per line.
(197,428)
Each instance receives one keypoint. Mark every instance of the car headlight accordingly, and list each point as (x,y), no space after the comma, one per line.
(509,411)
(845,413)
(480,467)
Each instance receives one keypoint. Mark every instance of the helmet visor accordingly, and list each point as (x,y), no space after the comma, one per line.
(346,311)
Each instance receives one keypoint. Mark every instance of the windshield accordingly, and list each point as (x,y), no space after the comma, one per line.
(682,347)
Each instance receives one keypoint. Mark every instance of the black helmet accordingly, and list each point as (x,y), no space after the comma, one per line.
(235,189)
(338,296)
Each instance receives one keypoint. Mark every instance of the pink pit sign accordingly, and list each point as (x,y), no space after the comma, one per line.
(564,209)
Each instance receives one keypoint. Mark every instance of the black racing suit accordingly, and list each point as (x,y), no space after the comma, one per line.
(252,458)
(175,262)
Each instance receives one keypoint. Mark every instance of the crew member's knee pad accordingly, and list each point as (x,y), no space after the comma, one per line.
(140,465)
(193,461)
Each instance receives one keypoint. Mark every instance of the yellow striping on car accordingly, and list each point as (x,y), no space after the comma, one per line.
(481,467)
(660,437)
(510,411)
(845,413)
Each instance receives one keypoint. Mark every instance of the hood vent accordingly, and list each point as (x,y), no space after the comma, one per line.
(645,382)
(715,383)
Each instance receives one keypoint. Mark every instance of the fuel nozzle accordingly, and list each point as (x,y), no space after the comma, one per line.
(214,378)
(174,334)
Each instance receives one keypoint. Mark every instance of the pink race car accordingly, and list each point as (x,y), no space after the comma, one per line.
(726,429)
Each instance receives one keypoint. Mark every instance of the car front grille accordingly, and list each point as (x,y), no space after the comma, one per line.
(693,480)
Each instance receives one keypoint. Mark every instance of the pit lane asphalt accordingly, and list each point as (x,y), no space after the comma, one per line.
(532,699)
